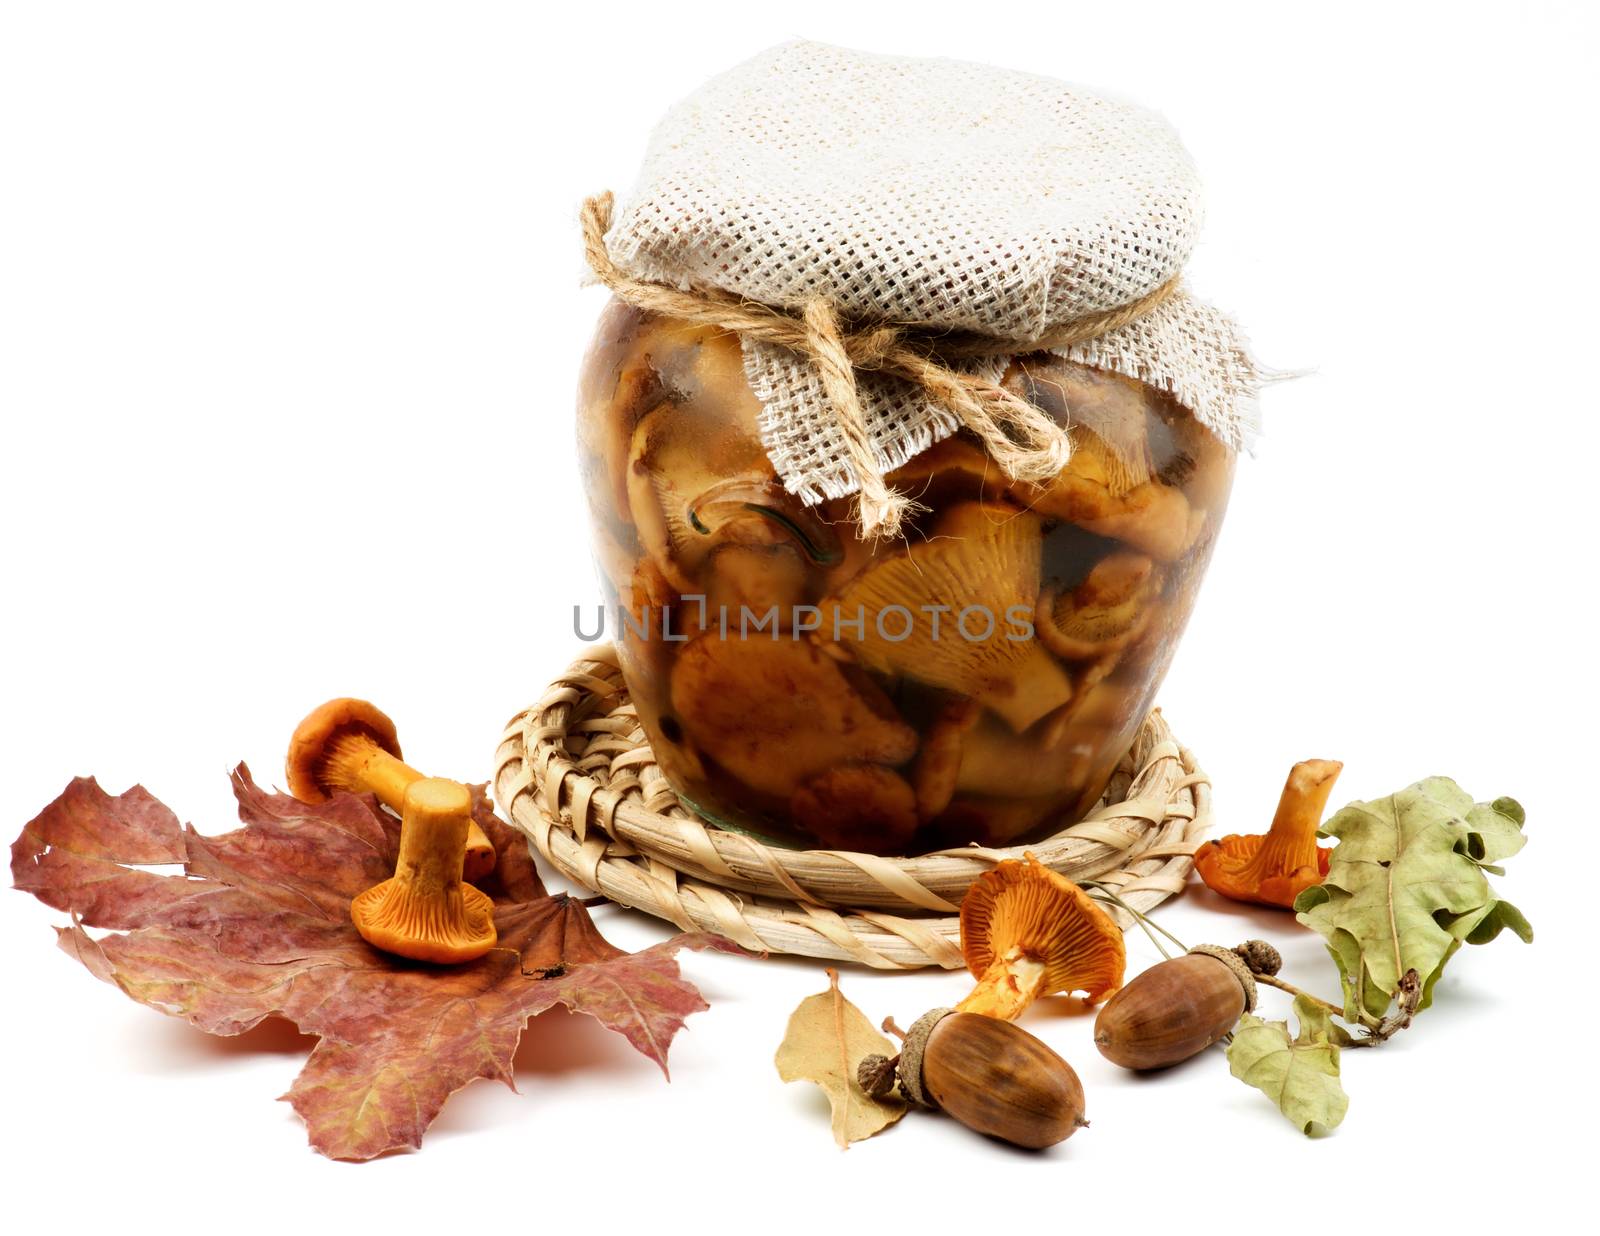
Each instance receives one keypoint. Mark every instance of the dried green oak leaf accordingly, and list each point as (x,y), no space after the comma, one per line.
(826,1041)
(1317,1024)
(1407,886)
(1300,1075)
(259,926)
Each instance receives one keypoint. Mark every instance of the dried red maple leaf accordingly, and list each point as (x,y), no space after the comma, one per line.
(260,927)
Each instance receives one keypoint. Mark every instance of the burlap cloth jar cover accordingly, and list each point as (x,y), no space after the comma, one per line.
(990,209)
(884,234)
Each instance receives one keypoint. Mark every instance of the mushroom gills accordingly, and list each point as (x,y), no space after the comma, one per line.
(1104,613)
(354,765)
(980,557)
(438,926)
(425,911)
(1028,931)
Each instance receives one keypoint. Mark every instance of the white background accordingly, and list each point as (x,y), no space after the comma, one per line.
(289,326)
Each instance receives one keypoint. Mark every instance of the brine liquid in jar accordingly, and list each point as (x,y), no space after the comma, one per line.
(976,680)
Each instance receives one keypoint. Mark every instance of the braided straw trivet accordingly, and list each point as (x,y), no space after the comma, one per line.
(576,775)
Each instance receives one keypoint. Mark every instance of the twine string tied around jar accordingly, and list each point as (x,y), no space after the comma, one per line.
(1025,442)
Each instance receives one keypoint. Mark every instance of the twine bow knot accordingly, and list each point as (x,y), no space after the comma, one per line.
(1025,442)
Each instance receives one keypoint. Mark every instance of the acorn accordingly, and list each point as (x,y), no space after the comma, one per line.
(1180,1007)
(992,1076)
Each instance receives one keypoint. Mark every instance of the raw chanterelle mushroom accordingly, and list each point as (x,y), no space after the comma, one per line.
(1275,868)
(1028,932)
(425,911)
(982,560)
(350,746)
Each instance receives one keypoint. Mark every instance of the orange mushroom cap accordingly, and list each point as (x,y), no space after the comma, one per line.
(318,735)
(425,911)
(1027,932)
(1275,867)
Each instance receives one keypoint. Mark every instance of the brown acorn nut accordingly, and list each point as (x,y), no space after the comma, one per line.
(1175,1009)
(992,1076)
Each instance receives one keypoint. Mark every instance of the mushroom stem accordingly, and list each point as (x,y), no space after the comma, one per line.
(1010,984)
(426,911)
(1291,843)
(433,835)
(355,763)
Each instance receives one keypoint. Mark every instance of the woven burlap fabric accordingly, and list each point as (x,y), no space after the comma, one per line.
(937,194)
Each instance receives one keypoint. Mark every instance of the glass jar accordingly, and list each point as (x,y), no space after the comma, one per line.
(976,680)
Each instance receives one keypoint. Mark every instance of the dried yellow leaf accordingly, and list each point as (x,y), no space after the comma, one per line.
(825,1042)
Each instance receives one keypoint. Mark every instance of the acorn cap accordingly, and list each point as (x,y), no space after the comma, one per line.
(315,736)
(1024,909)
